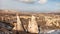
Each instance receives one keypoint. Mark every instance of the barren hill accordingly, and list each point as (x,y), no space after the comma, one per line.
(46,21)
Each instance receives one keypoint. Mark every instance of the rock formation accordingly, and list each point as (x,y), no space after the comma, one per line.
(32,26)
(19,24)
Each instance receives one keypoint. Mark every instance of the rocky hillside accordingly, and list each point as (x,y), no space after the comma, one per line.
(46,21)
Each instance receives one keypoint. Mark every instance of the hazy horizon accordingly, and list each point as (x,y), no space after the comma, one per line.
(33,5)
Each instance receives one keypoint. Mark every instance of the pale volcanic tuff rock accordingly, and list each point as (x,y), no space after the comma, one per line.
(32,26)
(44,20)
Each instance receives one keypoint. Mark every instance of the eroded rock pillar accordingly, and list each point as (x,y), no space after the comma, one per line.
(32,26)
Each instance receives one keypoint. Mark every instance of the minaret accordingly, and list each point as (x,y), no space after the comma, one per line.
(19,24)
(32,26)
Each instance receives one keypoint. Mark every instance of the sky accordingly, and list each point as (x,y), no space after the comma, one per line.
(31,5)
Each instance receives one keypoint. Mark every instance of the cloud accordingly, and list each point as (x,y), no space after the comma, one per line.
(27,1)
(42,1)
(57,4)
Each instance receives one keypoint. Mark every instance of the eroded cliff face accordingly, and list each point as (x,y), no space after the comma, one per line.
(50,22)
(45,21)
